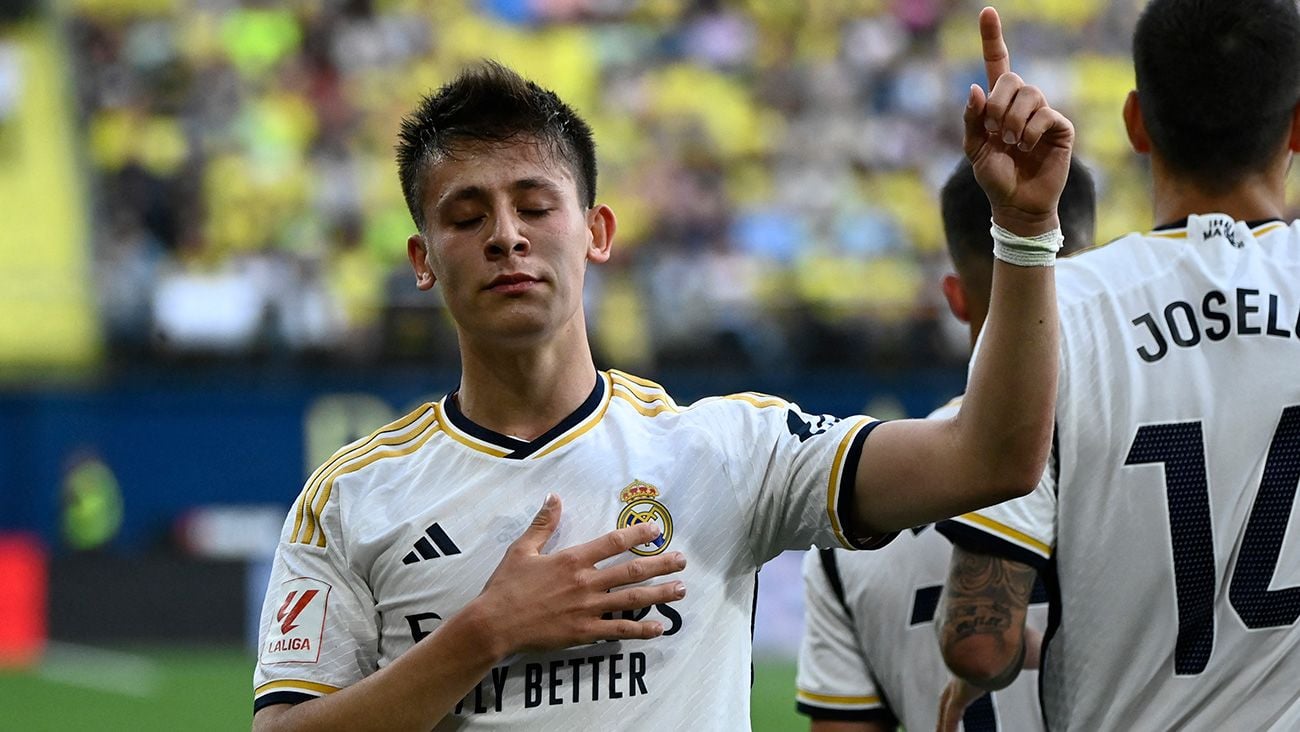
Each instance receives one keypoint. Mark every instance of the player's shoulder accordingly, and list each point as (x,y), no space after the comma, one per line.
(399,438)
(652,399)
(1136,259)
(748,415)
(643,396)
(1119,264)
(745,402)
(646,395)
(645,404)
(396,440)
(1280,239)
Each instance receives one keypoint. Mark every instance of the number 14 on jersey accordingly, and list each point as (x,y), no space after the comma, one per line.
(1180,447)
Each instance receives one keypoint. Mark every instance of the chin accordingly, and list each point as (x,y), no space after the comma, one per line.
(517,325)
(518,330)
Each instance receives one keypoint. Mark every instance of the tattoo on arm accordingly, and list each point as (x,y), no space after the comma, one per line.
(987,595)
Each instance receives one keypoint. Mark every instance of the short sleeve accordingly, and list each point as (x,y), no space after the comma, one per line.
(318,631)
(833,681)
(793,471)
(1022,529)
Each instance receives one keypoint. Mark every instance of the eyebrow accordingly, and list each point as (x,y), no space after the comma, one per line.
(531,184)
(470,193)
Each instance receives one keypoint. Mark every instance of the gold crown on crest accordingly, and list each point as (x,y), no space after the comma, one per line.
(637,490)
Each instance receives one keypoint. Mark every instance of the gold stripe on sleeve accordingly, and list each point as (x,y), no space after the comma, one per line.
(357,449)
(649,398)
(758,400)
(644,409)
(396,435)
(1009,533)
(371,457)
(314,500)
(295,685)
(857,701)
(637,380)
(836,480)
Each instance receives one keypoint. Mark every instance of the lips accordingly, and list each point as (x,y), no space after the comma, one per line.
(510,283)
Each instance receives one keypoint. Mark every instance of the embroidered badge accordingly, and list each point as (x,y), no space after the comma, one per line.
(643,506)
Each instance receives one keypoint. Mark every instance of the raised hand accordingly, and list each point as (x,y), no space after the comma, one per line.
(549,601)
(1018,145)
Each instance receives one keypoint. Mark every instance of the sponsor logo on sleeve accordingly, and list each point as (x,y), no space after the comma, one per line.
(299,623)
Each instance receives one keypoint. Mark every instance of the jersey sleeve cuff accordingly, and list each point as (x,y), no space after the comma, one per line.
(843,708)
(846,506)
(288,691)
(881,715)
(280,697)
(976,533)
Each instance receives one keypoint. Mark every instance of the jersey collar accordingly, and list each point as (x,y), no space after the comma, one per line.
(473,435)
(1182,224)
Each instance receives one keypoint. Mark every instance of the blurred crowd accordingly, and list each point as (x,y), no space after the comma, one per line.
(775,166)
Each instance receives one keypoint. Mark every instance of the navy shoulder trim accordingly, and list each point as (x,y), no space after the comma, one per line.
(879,714)
(972,539)
(847,503)
(280,697)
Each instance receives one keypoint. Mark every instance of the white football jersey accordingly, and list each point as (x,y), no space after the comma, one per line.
(401,530)
(869,649)
(1164,522)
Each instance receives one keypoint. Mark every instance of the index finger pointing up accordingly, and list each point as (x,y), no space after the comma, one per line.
(997,60)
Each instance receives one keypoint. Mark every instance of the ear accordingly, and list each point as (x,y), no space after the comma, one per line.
(1138,138)
(955,294)
(418,253)
(601,224)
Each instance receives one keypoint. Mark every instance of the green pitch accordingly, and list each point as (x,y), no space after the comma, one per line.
(146,690)
(167,689)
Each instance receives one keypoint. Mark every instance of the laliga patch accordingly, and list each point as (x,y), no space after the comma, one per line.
(299,622)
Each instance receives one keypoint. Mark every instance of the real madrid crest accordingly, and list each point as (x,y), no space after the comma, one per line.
(643,506)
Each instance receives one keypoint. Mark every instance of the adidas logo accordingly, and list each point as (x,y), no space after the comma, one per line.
(425,550)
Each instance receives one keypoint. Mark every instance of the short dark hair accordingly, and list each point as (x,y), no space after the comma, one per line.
(491,103)
(1217,82)
(966,215)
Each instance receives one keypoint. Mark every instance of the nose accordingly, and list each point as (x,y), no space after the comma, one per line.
(506,237)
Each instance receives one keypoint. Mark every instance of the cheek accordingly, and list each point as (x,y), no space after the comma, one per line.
(440,259)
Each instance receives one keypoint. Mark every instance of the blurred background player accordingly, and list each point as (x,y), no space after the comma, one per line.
(367,622)
(868,659)
(1164,524)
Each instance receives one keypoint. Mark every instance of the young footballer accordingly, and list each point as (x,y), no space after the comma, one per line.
(418,586)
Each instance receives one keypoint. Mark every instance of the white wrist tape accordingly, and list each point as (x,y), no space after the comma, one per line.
(1026,251)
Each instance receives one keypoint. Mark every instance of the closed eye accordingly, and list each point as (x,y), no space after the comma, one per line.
(534,213)
(469,223)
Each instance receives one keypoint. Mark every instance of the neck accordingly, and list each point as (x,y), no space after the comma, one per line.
(1258,196)
(524,391)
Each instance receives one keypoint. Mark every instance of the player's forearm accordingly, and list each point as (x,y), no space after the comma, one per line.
(985,662)
(414,692)
(982,618)
(1005,423)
